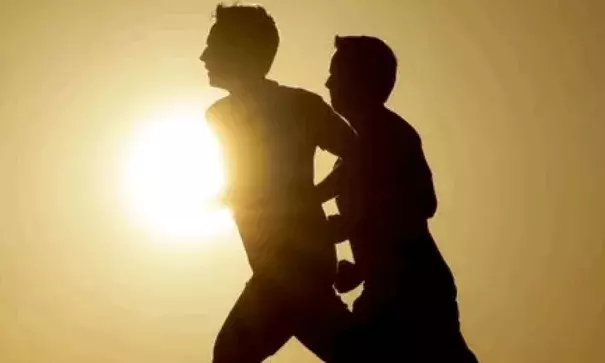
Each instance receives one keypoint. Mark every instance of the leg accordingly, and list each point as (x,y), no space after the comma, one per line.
(413,331)
(257,326)
(324,325)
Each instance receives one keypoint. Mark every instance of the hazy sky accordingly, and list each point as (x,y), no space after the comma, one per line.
(509,98)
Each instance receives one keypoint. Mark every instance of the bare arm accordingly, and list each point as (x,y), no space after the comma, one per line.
(334,135)
(328,188)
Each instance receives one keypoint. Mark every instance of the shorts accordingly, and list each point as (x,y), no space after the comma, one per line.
(265,317)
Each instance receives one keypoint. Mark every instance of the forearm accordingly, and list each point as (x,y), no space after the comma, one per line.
(328,188)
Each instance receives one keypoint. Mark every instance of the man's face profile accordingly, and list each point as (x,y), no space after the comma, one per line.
(220,58)
(342,89)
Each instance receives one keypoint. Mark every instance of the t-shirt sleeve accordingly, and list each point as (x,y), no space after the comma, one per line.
(331,133)
(417,177)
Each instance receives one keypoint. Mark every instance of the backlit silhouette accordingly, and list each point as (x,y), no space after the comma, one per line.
(269,135)
(408,309)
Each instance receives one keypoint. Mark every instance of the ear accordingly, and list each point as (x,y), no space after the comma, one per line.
(219,10)
(338,41)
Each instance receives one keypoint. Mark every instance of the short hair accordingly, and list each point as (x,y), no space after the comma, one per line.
(253,30)
(372,62)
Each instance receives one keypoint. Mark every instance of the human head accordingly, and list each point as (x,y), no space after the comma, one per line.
(363,72)
(241,45)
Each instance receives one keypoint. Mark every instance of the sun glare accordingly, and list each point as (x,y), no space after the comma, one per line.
(174,175)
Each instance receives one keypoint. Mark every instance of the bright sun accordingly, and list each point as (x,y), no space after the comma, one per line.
(174,175)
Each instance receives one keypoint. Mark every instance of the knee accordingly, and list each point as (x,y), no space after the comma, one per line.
(229,356)
(231,352)
(220,353)
(225,351)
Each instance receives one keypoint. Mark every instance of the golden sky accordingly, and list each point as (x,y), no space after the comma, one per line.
(507,94)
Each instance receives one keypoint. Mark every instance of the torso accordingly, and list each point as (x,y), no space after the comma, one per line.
(389,223)
(269,155)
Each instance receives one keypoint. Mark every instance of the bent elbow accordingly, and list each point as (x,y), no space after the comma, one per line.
(431,207)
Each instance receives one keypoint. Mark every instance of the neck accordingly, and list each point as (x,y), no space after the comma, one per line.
(243,87)
(362,118)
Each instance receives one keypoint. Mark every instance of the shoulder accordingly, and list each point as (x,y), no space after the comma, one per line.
(404,130)
(303,98)
(218,108)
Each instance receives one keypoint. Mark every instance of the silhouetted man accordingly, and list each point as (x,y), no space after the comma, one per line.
(408,307)
(269,135)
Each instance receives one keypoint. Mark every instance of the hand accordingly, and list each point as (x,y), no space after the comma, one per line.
(337,228)
(348,276)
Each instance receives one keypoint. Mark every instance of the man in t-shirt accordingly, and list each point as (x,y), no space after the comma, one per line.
(269,135)
(408,309)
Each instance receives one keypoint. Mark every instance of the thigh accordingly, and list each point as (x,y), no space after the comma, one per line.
(256,328)
(414,331)
(378,335)
(324,325)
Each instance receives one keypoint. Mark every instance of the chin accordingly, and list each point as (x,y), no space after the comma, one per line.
(213,81)
(338,105)
(217,81)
